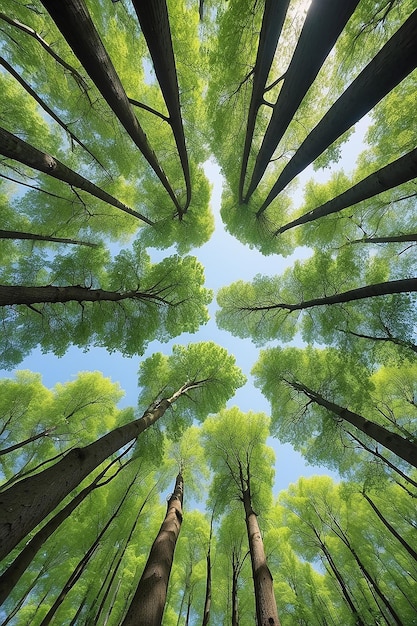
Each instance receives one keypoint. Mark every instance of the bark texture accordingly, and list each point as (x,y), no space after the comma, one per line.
(403,448)
(19,150)
(266,608)
(386,70)
(396,173)
(147,606)
(323,24)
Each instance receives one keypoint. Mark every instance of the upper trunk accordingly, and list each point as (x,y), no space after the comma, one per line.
(154,24)
(388,177)
(323,24)
(272,22)
(398,445)
(74,21)
(147,606)
(20,294)
(386,70)
(19,150)
(406,285)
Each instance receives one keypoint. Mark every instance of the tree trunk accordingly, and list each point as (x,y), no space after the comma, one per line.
(18,234)
(266,608)
(272,22)
(23,152)
(388,68)
(147,606)
(118,562)
(398,445)
(27,503)
(235,600)
(207,598)
(154,24)
(82,564)
(323,24)
(73,20)
(28,295)
(406,285)
(391,528)
(11,576)
(343,587)
(396,173)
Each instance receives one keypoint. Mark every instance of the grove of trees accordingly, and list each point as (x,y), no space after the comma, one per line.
(166,512)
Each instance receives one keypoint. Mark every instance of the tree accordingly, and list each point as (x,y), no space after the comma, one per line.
(122,305)
(297,389)
(237,455)
(209,376)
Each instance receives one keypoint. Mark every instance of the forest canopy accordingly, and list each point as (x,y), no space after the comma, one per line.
(164,509)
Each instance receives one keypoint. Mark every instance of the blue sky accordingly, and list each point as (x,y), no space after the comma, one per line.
(225,260)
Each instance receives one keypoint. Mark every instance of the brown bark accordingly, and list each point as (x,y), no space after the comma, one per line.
(406,285)
(147,606)
(74,21)
(28,295)
(388,68)
(154,24)
(398,445)
(396,173)
(207,598)
(266,608)
(11,576)
(236,567)
(28,502)
(18,234)
(19,150)
(272,22)
(323,24)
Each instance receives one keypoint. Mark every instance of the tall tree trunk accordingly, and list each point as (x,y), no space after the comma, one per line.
(18,234)
(154,24)
(406,285)
(82,564)
(22,294)
(343,587)
(266,608)
(27,503)
(386,70)
(396,173)
(11,576)
(207,597)
(272,22)
(398,445)
(19,150)
(148,603)
(75,23)
(390,527)
(235,600)
(323,24)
